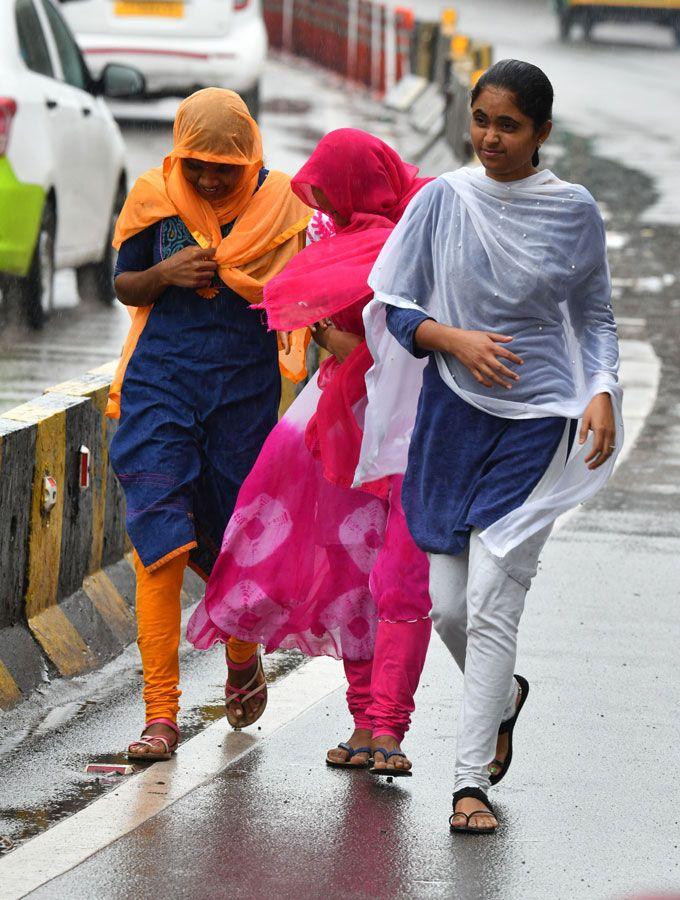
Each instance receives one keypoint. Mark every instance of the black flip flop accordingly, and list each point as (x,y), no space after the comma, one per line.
(391,771)
(477,794)
(507,728)
(347,764)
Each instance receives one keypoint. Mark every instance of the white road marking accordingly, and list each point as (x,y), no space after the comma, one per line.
(199,760)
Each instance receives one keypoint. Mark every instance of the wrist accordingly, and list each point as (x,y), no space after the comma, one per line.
(162,275)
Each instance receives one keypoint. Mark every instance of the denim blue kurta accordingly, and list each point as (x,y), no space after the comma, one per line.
(466,468)
(200,395)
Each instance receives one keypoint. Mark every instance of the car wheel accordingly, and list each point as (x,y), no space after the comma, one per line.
(252,100)
(95,280)
(36,291)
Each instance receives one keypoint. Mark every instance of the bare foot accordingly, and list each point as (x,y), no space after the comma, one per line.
(360,738)
(469,805)
(158,748)
(243,714)
(388,743)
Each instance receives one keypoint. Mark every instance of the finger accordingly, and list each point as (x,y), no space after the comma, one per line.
(480,378)
(503,370)
(205,252)
(489,372)
(598,447)
(507,354)
(205,265)
(499,338)
(285,337)
(585,428)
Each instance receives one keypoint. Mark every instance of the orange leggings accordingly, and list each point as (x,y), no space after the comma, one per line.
(159,624)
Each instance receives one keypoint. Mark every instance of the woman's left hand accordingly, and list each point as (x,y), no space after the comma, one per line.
(599,418)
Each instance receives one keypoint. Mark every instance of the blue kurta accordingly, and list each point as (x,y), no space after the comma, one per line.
(200,395)
(466,468)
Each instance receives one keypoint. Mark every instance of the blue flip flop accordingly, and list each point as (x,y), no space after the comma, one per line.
(347,764)
(392,772)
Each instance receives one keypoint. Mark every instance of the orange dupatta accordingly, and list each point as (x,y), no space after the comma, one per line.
(214,125)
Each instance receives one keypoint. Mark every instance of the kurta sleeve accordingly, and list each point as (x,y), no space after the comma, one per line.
(402,324)
(136,253)
(590,307)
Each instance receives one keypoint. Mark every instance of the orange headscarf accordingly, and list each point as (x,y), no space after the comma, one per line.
(214,125)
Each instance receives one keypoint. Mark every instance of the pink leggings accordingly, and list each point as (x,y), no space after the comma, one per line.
(381,690)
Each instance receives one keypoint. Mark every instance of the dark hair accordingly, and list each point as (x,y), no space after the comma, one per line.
(530,85)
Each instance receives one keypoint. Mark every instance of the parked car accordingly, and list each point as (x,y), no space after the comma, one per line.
(587,13)
(62,159)
(179,45)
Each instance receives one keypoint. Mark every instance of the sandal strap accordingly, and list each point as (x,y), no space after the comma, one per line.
(163,721)
(241,667)
(388,754)
(245,693)
(476,794)
(353,751)
(151,742)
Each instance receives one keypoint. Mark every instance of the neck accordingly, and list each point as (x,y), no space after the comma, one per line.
(516,175)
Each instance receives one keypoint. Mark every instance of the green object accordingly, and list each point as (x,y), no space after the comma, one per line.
(21,207)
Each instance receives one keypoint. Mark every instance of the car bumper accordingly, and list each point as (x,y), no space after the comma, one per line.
(21,207)
(233,61)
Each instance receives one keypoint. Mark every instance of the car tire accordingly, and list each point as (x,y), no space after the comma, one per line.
(36,290)
(252,100)
(95,280)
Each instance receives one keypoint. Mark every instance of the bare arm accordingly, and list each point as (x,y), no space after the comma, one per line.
(479,351)
(192,267)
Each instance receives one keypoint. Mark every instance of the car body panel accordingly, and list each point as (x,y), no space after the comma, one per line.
(210,45)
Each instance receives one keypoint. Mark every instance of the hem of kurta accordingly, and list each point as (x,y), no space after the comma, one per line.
(152,567)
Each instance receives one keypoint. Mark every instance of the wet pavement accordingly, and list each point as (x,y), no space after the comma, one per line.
(587,810)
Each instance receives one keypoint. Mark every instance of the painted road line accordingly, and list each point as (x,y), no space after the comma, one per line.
(199,760)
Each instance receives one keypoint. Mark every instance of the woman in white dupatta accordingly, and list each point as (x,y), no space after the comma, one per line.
(496,285)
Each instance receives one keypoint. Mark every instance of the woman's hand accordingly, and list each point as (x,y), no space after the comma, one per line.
(339,343)
(192,267)
(599,418)
(479,351)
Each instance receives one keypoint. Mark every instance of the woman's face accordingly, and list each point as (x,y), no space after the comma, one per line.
(325,205)
(212,181)
(503,137)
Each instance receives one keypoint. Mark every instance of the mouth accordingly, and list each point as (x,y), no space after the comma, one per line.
(211,192)
(491,154)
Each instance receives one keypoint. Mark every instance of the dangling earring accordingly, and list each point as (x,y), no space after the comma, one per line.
(535,160)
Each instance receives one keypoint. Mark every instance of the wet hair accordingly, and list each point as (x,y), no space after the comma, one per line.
(530,86)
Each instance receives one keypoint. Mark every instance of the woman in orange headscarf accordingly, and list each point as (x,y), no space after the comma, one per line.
(198,387)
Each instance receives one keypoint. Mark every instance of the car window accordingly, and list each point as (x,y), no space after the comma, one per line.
(32,42)
(69,53)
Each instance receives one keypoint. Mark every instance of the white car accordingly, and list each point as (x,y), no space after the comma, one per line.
(62,159)
(178,45)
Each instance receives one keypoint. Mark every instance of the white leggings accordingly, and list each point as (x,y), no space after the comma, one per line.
(476,608)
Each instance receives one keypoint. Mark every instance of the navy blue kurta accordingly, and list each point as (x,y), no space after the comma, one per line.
(200,395)
(466,468)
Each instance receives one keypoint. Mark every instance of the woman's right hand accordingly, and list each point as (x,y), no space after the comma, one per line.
(481,353)
(192,267)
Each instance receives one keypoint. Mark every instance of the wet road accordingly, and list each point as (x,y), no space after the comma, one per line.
(587,809)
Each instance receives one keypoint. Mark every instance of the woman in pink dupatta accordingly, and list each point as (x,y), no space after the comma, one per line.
(307,561)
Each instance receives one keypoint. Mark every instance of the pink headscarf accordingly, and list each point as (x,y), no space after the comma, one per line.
(368,183)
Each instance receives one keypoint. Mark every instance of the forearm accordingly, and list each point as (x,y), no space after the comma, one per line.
(141,288)
(431,335)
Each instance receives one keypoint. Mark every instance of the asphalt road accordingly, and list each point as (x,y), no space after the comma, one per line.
(589,808)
